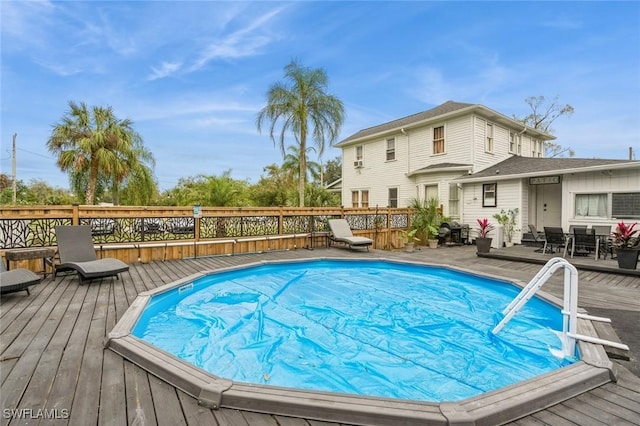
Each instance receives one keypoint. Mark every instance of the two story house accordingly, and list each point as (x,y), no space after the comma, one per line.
(476,161)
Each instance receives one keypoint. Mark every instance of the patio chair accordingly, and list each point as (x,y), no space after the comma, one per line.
(554,236)
(341,232)
(584,241)
(538,237)
(77,253)
(603,234)
(17,280)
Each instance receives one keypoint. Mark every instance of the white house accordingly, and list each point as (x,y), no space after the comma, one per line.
(477,161)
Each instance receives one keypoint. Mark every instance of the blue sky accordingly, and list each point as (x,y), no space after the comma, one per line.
(193,75)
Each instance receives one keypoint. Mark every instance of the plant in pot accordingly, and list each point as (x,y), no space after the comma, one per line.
(408,237)
(508,221)
(427,219)
(483,242)
(626,244)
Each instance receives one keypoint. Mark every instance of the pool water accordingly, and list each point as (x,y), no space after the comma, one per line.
(372,328)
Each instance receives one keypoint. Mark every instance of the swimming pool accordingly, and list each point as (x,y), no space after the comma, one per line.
(279,336)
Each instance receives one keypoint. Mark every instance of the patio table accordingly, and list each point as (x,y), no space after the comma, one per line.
(45,253)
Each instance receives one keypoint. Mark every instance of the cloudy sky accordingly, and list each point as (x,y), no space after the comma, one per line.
(192,76)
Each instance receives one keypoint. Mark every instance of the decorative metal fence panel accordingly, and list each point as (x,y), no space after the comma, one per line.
(21,233)
(23,227)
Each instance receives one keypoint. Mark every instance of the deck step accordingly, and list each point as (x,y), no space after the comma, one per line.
(606,331)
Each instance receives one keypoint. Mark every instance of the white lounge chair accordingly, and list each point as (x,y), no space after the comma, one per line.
(77,253)
(341,233)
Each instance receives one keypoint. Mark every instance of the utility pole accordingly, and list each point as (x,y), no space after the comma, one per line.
(13,169)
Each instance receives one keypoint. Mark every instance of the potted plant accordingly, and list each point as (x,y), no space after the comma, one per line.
(508,221)
(408,237)
(427,219)
(483,242)
(626,245)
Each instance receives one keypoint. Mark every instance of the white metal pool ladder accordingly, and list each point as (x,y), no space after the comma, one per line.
(570,306)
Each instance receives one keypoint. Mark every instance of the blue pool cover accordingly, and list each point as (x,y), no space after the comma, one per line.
(364,327)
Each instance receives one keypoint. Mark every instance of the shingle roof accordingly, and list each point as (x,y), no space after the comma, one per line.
(440,166)
(526,165)
(445,108)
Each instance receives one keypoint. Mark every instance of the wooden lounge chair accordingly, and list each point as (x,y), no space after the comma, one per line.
(77,253)
(341,233)
(17,280)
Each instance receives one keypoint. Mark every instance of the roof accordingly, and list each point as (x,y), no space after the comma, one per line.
(441,111)
(517,166)
(441,167)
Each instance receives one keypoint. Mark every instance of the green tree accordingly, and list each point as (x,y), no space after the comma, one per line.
(543,114)
(292,164)
(332,170)
(93,141)
(277,188)
(303,108)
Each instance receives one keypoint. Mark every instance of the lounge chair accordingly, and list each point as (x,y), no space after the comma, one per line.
(341,233)
(17,280)
(538,238)
(77,253)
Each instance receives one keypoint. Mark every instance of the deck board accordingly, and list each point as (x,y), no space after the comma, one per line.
(52,355)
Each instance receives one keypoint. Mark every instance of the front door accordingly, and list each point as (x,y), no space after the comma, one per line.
(548,205)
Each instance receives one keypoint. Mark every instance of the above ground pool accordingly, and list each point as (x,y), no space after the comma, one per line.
(371,328)
(358,341)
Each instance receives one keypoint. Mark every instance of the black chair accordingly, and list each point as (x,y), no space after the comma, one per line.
(584,242)
(554,236)
(538,237)
(603,234)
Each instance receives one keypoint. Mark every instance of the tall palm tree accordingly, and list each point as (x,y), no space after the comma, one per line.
(304,108)
(95,142)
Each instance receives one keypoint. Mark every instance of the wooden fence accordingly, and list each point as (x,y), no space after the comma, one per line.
(144,234)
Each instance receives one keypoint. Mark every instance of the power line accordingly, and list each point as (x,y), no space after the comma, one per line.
(35,153)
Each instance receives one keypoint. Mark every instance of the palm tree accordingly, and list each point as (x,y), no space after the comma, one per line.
(292,163)
(304,108)
(96,143)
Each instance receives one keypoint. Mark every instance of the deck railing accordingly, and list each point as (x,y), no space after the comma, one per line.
(160,233)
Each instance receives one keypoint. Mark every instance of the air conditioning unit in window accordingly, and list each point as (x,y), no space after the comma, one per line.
(357,164)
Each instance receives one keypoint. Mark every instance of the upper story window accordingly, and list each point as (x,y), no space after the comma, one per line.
(536,148)
(359,152)
(391,149)
(488,144)
(438,140)
(512,142)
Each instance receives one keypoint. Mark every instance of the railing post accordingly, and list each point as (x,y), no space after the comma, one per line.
(75,220)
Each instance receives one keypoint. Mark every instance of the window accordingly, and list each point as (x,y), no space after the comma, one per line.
(438,140)
(591,205)
(536,148)
(393,197)
(391,149)
(364,195)
(488,144)
(626,205)
(512,142)
(360,198)
(489,196)
(454,201)
(359,152)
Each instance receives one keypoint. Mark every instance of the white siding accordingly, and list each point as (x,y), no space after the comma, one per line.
(509,196)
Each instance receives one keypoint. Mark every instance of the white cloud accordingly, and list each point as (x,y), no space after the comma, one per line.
(165,70)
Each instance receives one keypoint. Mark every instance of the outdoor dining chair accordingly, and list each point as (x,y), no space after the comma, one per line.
(554,236)
(584,242)
(603,234)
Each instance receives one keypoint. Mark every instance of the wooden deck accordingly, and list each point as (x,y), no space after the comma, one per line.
(53,363)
